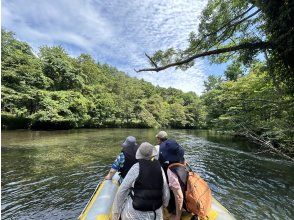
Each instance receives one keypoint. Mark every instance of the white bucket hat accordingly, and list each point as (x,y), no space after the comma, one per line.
(146,151)
(161,135)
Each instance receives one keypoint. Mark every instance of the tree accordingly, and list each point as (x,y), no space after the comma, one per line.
(239,30)
(234,71)
(212,82)
(252,107)
(59,67)
(178,116)
(21,69)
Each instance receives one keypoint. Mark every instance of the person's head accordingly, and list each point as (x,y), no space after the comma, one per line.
(161,137)
(130,141)
(173,152)
(146,151)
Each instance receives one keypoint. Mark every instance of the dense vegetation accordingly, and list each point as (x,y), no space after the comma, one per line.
(254,37)
(239,31)
(54,90)
(252,106)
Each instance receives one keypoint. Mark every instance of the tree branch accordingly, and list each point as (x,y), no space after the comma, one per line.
(155,64)
(228,25)
(244,19)
(261,141)
(251,45)
(230,21)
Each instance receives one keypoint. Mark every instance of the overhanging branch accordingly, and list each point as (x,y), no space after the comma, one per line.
(151,60)
(229,23)
(243,46)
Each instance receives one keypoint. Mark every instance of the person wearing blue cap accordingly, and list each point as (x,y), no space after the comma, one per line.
(169,151)
(125,160)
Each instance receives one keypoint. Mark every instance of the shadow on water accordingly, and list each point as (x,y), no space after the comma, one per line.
(52,174)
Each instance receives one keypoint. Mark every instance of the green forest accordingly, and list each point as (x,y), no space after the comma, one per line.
(254,97)
(56,91)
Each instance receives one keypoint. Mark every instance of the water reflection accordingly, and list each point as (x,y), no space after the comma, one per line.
(52,174)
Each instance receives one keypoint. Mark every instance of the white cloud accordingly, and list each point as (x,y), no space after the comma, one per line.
(115,32)
(70,22)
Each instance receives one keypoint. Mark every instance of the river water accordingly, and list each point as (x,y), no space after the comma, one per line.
(52,174)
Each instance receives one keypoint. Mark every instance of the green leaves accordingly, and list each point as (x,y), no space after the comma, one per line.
(252,103)
(234,71)
(57,91)
(239,31)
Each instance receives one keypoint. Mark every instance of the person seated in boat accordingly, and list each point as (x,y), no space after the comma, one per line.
(144,191)
(177,177)
(125,160)
(169,150)
(161,137)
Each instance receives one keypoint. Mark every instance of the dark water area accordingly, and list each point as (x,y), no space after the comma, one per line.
(52,174)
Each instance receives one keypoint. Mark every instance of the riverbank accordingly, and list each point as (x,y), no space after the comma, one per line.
(260,145)
(56,91)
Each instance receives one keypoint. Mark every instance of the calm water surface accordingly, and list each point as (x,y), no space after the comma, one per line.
(52,174)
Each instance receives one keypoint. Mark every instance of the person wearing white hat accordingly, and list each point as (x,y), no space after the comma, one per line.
(144,191)
(161,137)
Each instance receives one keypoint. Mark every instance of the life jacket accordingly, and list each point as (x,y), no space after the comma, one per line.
(130,159)
(197,194)
(147,191)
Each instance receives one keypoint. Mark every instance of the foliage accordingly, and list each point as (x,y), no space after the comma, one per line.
(212,82)
(56,91)
(253,104)
(234,71)
(240,32)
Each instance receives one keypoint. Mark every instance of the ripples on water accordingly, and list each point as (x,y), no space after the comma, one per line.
(51,175)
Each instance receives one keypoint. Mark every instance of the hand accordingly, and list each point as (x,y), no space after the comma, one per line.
(108,177)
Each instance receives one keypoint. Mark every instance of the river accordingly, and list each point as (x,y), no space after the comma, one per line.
(52,174)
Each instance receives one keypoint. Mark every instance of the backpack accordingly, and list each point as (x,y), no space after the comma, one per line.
(197,196)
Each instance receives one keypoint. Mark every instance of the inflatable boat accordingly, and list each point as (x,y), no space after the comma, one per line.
(100,204)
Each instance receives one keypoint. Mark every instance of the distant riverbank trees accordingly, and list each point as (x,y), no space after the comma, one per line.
(56,91)
(254,107)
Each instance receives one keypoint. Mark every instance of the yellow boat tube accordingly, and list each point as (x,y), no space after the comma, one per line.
(100,204)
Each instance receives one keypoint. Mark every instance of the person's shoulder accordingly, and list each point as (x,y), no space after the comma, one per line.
(135,166)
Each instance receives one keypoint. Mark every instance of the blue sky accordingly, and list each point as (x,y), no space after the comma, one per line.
(114,32)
